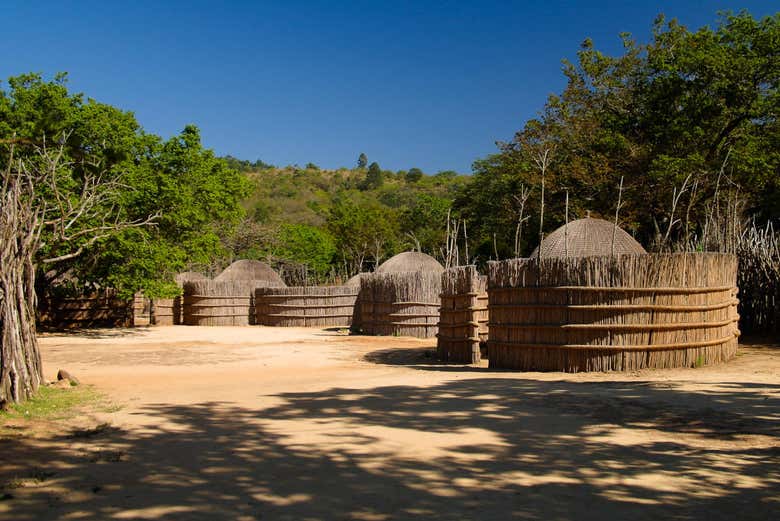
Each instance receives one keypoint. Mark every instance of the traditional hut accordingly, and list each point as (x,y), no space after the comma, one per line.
(306,306)
(588,237)
(251,270)
(608,313)
(410,261)
(463,318)
(168,311)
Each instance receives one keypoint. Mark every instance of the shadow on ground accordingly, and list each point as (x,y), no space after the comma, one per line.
(535,451)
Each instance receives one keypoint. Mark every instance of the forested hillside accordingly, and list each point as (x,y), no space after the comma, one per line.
(338,222)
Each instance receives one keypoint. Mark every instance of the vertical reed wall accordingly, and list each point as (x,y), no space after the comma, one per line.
(400,304)
(98,309)
(220,303)
(463,319)
(623,313)
(306,306)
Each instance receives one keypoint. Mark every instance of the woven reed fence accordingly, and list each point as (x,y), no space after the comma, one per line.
(98,309)
(306,306)
(220,303)
(169,311)
(463,320)
(603,314)
(166,311)
(399,304)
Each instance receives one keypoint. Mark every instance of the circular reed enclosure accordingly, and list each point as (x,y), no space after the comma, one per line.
(463,320)
(399,304)
(613,313)
(306,306)
(220,303)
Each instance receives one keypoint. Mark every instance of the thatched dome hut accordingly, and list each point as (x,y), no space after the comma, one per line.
(354,281)
(410,261)
(587,238)
(251,270)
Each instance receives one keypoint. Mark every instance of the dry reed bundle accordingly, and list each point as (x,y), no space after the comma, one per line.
(306,306)
(463,321)
(400,304)
(613,313)
(99,309)
(220,303)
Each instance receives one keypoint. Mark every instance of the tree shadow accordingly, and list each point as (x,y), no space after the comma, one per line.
(479,448)
(96,333)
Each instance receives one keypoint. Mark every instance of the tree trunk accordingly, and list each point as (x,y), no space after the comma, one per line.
(21,372)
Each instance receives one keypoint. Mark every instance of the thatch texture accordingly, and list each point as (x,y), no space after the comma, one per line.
(588,237)
(220,303)
(613,313)
(399,304)
(463,320)
(354,280)
(306,306)
(410,261)
(98,309)
(251,270)
(168,311)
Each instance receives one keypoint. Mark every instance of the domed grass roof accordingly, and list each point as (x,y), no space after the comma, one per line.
(410,261)
(586,238)
(354,280)
(251,270)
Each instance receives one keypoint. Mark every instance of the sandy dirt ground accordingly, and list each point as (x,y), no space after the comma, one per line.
(306,424)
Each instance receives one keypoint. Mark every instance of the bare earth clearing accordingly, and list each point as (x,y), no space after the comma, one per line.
(305,424)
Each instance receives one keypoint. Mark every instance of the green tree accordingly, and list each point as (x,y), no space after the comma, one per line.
(363,231)
(374,177)
(414,175)
(362,160)
(86,191)
(309,245)
(664,115)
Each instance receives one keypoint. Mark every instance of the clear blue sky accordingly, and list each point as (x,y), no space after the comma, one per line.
(426,84)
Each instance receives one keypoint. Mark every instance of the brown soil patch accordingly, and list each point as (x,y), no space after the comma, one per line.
(272,423)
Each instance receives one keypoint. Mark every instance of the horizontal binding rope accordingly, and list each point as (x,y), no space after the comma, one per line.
(304,316)
(268,295)
(621,327)
(462,324)
(305,306)
(412,315)
(619,307)
(399,303)
(455,295)
(242,305)
(456,339)
(411,324)
(604,347)
(617,289)
(214,316)
(220,296)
